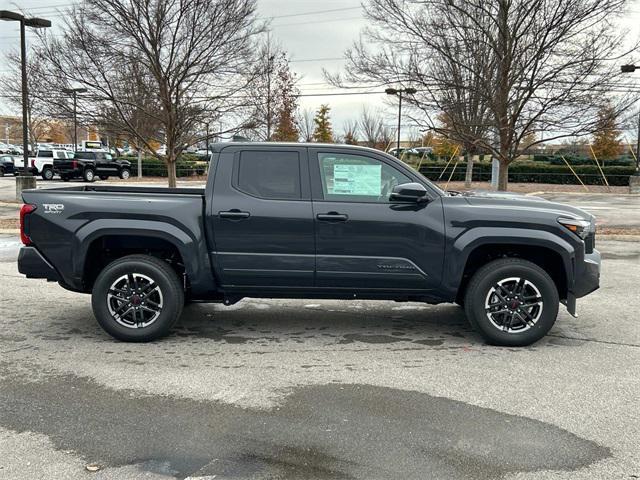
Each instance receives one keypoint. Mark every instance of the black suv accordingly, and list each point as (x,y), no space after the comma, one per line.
(88,165)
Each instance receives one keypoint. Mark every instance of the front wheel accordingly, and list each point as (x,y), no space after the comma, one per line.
(125,173)
(511,302)
(137,298)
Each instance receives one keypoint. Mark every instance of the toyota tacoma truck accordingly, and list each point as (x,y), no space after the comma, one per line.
(310,221)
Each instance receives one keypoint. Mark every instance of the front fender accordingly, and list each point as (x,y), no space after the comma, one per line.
(461,248)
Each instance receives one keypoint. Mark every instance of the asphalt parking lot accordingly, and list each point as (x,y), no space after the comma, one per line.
(319,389)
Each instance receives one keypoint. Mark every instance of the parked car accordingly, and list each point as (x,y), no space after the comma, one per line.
(91,164)
(310,220)
(43,162)
(6,165)
(422,151)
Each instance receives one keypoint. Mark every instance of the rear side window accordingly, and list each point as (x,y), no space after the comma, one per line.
(270,175)
(61,155)
(45,154)
(85,155)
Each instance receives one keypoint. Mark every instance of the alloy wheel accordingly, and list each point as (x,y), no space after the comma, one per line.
(513,305)
(135,300)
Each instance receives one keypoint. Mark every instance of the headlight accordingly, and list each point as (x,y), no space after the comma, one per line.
(579,227)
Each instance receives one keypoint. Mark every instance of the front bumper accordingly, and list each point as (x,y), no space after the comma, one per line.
(587,275)
(34,265)
(587,280)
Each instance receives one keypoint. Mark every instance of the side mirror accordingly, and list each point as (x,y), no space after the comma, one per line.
(409,192)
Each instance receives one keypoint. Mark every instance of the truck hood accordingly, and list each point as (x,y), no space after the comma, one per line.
(525,203)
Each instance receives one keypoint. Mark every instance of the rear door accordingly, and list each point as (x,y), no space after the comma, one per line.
(260,218)
(364,241)
(64,161)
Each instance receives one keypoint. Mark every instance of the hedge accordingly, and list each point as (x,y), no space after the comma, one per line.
(152,167)
(529,172)
(576,160)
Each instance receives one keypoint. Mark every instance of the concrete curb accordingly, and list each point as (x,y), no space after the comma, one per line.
(621,238)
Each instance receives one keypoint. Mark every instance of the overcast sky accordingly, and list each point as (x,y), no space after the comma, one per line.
(314,33)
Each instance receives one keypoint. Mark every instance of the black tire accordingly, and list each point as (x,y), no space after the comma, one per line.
(104,177)
(125,173)
(1,171)
(47,173)
(89,175)
(171,299)
(481,291)
(65,178)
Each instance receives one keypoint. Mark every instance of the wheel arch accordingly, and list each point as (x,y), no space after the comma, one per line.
(550,252)
(98,243)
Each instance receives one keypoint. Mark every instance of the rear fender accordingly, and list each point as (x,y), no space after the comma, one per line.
(191,250)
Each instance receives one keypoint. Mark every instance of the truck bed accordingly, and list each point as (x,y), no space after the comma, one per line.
(71,223)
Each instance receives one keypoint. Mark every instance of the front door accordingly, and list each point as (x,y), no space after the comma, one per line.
(261,219)
(365,241)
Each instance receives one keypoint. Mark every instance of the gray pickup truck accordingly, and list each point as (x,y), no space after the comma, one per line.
(310,221)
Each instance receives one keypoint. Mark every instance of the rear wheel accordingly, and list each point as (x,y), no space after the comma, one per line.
(88,175)
(47,173)
(65,178)
(511,302)
(137,298)
(1,171)
(104,177)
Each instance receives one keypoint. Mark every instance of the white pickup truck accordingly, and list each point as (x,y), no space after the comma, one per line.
(42,163)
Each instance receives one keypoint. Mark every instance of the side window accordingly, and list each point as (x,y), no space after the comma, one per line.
(61,155)
(45,154)
(270,175)
(356,178)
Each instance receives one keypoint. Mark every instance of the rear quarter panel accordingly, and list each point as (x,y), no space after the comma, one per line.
(66,221)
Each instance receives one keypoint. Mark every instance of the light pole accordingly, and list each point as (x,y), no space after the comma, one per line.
(27,180)
(74,92)
(399,92)
(630,69)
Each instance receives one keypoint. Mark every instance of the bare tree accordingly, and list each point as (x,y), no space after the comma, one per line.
(196,54)
(374,132)
(273,93)
(139,112)
(519,67)
(304,121)
(350,131)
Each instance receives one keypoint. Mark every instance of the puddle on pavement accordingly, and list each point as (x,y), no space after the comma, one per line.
(318,432)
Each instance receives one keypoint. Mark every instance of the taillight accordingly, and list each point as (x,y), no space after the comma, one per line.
(24,211)
(33,163)
(74,164)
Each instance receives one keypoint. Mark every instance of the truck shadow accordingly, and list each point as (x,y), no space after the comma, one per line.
(266,322)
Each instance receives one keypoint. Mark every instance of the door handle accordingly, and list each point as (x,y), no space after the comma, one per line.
(234,214)
(332,217)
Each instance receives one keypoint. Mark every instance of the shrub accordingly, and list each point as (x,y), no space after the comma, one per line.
(534,172)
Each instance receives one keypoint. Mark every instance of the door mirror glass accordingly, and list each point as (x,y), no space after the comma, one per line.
(409,192)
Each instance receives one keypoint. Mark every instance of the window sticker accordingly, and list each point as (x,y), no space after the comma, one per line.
(356,180)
